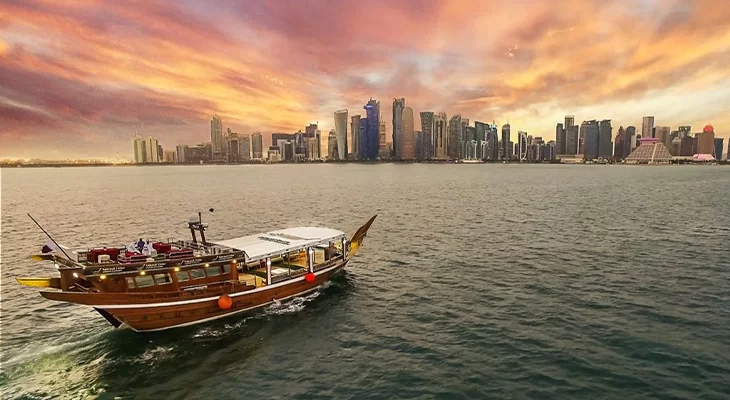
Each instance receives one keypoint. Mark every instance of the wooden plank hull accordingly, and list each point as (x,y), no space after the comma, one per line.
(159,311)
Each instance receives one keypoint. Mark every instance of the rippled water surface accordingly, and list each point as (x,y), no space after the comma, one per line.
(476,281)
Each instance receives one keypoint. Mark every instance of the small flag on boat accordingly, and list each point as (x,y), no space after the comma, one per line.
(49,247)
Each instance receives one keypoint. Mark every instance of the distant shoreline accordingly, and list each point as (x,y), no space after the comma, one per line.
(558,162)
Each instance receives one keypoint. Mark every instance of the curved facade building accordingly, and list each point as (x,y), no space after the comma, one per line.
(341,133)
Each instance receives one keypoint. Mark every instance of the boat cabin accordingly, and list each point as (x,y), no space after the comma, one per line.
(178,267)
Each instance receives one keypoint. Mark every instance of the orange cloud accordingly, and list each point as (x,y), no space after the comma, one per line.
(71,72)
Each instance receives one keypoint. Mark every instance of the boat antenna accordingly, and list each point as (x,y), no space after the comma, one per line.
(49,236)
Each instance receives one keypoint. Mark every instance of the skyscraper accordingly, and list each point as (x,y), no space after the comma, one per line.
(718,149)
(355,129)
(647,127)
(369,142)
(589,133)
(216,137)
(492,146)
(383,151)
(569,121)
(480,133)
(245,148)
(631,138)
(341,132)
(456,140)
(605,146)
(506,146)
(257,142)
(571,140)
(151,149)
(332,146)
(139,150)
(428,136)
(407,138)
(560,138)
(663,134)
(398,106)
(440,136)
(521,146)
(706,140)
(619,148)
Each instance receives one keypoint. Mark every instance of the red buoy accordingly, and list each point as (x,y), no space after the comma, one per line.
(225,302)
(309,277)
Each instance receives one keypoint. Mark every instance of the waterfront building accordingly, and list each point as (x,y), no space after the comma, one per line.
(684,131)
(170,156)
(274,154)
(647,127)
(522,144)
(362,136)
(589,135)
(245,148)
(480,133)
(605,146)
(369,144)
(152,150)
(686,146)
(181,149)
(341,133)
(718,148)
(355,129)
(619,148)
(560,134)
(418,145)
(506,143)
(569,122)
(492,143)
(427,141)
(257,142)
(383,151)
(216,137)
(140,155)
(706,140)
(455,137)
(664,135)
(571,140)
(398,107)
(441,136)
(407,137)
(650,151)
(332,146)
(631,138)
(233,147)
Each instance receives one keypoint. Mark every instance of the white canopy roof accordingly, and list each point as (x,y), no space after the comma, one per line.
(282,241)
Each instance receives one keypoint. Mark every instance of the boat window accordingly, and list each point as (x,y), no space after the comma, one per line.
(182,276)
(213,271)
(162,279)
(144,281)
(226,268)
(130,282)
(196,273)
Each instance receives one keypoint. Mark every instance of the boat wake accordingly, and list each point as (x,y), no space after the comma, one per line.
(290,306)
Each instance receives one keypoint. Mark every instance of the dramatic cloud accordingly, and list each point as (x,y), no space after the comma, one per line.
(80,78)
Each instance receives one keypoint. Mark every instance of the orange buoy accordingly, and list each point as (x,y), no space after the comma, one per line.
(309,277)
(225,302)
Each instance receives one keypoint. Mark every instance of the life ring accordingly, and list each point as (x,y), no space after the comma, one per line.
(225,302)
(309,277)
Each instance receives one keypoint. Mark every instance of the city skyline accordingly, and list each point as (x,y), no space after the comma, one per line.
(80,80)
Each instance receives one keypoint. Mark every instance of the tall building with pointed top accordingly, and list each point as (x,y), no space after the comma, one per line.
(408,138)
(398,106)
(216,137)
(369,142)
(341,133)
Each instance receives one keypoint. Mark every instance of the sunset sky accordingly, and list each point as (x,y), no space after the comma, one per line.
(78,78)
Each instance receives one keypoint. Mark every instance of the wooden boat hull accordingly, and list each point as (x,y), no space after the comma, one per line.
(160,311)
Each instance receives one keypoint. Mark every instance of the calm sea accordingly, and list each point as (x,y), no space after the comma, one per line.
(476,281)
